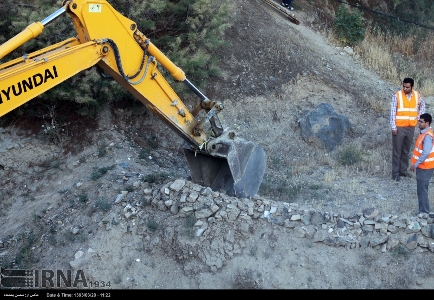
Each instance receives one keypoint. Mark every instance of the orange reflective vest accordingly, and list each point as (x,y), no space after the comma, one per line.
(407,111)
(417,152)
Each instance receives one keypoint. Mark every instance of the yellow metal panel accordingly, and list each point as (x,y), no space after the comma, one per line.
(106,22)
(28,79)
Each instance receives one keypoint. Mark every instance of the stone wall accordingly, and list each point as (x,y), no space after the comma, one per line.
(369,228)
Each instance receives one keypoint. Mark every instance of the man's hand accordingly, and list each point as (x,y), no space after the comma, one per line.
(395,132)
(412,168)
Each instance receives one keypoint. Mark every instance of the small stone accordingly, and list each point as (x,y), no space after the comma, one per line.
(199,223)
(183,198)
(174,208)
(392,228)
(78,254)
(177,185)
(119,198)
(192,197)
(299,232)
(370,213)
(295,217)
(412,242)
(340,223)
(379,226)
(413,227)
(136,184)
(244,227)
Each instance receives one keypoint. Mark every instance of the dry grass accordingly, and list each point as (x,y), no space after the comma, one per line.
(377,161)
(396,57)
(378,107)
(302,166)
(376,53)
(426,49)
(398,44)
(427,88)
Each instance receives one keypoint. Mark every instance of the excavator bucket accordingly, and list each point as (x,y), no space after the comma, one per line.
(234,166)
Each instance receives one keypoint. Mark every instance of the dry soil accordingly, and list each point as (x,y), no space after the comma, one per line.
(274,73)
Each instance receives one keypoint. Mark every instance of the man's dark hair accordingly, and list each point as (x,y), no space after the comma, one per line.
(426,117)
(409,80)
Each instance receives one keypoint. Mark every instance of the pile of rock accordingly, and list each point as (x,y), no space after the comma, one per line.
(369,228)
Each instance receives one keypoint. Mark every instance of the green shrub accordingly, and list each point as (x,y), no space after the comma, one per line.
(155,178)
(82,198)
(100,172)
(280,188)
(103,204)
(152,142)
(190,231)
(400,252)
(129,188)
(350,156)
(253,250)
(316,186)
(266,187)
(102,150)
(190,220)
(144,153)
(349,26)
(25,256)
(152,225)
(290,192)
(117,278)
(51,134)
(53,229)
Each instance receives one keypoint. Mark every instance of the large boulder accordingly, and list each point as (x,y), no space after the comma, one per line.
(324,127)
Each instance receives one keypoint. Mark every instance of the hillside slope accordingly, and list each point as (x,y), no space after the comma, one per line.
(108,209)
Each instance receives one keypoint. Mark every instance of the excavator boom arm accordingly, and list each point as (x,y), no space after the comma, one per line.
(107,38)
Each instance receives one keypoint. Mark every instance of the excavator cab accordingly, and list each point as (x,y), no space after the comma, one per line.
(216,157)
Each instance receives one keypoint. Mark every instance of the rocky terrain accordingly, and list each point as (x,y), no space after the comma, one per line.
(119,204)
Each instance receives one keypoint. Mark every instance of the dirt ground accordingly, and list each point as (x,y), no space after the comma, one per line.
(55,213)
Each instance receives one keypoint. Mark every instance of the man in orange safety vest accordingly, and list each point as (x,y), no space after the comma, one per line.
(422,162)
(406,107)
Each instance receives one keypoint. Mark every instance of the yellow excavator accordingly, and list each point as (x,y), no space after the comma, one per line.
(216,156)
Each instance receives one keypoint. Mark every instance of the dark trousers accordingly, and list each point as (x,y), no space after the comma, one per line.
(423,176)
(401,149)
